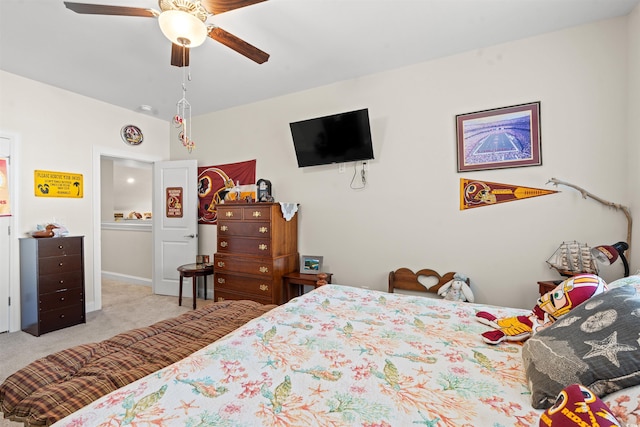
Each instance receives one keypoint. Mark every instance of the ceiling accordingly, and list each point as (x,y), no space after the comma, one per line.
(125,61)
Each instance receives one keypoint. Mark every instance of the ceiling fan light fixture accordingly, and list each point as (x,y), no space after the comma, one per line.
(182,28)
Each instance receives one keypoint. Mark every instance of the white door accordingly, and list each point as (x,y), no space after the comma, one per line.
(175,223)
(5,238)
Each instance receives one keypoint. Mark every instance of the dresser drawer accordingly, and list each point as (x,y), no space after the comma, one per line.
(59,246)
(223,296)
(247,265)
(238,212)
(61,318)
(245,245)
(56,282)
(247,229)
(60,264)
(251,286)
(61,299)
(256,213)
(229,212)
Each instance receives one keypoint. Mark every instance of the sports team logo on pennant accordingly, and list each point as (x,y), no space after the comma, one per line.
(476,194)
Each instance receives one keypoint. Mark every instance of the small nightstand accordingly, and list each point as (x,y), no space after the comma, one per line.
(299,280)
(547,285)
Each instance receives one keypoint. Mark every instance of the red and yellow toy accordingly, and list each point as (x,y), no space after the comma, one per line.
(552,305)
(576,405)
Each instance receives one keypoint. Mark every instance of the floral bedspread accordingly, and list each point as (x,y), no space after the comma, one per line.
(337,356)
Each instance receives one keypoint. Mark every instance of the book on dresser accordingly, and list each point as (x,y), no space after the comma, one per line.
(51,283)
(256,245)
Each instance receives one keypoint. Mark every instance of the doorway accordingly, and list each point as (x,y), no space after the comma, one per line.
(127,227)
(98,154)
(9,250)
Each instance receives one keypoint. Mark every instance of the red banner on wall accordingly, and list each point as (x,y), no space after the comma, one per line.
(214,182)
(476,194)
(5,202)
(174,202)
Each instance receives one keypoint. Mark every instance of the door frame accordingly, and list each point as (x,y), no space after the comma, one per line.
(14,223)
(98,152)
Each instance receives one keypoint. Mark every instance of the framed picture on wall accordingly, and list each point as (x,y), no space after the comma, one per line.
(310,264)
(506,137)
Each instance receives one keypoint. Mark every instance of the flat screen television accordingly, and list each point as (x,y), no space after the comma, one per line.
(338,138)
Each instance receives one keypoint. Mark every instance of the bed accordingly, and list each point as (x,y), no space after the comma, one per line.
(346,356)
(55,386)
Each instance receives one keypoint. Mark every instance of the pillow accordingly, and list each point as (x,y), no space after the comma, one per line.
(596,344)
(631,281)
(576,405)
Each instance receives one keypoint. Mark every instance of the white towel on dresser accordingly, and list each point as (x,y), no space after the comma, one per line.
(288,210)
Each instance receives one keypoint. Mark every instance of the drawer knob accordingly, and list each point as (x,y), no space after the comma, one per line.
(224,228)
(224,244)
(220,299)
(61,298)
(60,246)
(220,263)
(264,287)
(221,280)
(264,269)
(262,247)
(229,214)
(62,316)
(61,282)
(257,214)
(60,264)
(263,229)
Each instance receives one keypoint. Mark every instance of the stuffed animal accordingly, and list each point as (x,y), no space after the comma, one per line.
(552,305)
(456,289)
(577,405)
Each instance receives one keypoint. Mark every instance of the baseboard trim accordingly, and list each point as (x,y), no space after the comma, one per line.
(134,280)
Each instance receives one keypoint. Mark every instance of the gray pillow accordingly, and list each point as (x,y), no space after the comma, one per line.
(597,344)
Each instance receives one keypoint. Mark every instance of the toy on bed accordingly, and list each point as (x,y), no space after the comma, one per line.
(577,405)
(457,289)
(550,306)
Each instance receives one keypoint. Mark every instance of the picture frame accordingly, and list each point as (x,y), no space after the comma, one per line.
(499,138)
(310,264)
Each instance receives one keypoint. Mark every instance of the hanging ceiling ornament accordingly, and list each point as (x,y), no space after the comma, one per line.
(182,119)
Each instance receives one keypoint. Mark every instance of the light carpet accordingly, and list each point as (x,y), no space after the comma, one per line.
(124,307)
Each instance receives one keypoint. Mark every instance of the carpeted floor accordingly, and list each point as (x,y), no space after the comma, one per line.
(124,307)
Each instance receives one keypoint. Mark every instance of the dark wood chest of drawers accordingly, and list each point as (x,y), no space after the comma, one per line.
(51,283)
(256,246)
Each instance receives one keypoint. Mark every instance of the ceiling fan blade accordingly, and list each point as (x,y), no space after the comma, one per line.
(100,9)
(177,58)
(239,45)
(220,6)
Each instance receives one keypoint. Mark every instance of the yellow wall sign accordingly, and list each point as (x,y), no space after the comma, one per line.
(57,184)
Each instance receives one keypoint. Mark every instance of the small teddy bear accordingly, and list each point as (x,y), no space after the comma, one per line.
(456,289)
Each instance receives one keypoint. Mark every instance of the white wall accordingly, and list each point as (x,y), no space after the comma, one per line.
(59,130)
(408,216)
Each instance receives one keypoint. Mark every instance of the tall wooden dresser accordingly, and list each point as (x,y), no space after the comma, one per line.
(256,246)
(51,283)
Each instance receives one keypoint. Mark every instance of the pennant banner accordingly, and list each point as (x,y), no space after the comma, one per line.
(214,182)
(476,194)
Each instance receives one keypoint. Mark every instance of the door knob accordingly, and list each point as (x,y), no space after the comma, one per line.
(191,236)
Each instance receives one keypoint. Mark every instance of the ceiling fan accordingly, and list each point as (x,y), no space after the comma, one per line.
(184,23)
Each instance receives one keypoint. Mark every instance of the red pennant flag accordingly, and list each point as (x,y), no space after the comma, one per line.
(476,194)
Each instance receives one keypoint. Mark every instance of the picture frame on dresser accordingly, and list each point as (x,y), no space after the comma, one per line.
(310,264)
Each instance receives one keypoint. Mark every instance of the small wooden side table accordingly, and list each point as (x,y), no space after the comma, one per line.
(195,271)
(547,285)
(294,281)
